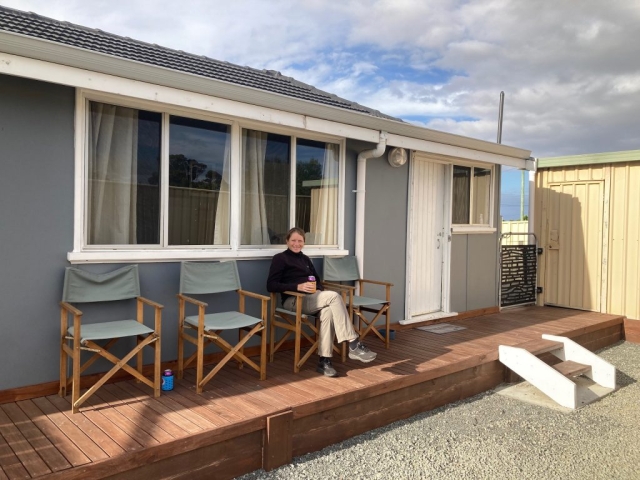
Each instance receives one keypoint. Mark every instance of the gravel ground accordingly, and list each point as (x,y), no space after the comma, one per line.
(491,436)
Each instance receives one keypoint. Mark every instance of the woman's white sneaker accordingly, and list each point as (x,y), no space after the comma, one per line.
(362,353)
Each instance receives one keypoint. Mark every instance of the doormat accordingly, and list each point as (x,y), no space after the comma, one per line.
(441,328)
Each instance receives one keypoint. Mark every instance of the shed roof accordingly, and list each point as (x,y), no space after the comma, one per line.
(33,25)
(590,159)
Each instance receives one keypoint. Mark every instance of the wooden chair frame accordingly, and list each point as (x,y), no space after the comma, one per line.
(74,352)
(204,337)
(293,323)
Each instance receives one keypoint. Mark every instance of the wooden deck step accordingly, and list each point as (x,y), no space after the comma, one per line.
(540,346)
(571,369)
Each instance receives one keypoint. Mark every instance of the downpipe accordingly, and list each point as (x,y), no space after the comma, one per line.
(360,195)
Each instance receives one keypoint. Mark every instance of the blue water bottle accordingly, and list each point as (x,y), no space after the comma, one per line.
(167,380)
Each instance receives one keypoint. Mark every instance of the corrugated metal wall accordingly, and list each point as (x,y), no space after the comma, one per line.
(624,241)
(515,226)
(599,205)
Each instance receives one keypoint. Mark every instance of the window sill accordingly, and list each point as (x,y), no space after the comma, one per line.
(471,229)
(179,255)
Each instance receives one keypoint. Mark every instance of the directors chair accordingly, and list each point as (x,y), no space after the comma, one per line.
(345,269)
(85,287)
(203,329)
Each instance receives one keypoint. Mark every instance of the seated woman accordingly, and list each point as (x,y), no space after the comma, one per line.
(290,270)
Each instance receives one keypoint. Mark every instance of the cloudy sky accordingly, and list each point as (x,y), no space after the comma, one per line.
(570,70)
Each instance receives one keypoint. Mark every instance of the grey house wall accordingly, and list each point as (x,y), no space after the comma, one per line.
(36,232)
(474,266)
(385,238)
(36,224)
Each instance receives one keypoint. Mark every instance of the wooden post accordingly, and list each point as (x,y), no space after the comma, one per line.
(278,441)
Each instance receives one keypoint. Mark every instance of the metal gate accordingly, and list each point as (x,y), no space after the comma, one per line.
(518,272)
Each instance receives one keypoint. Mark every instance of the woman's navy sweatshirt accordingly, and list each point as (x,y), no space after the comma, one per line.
(288,270)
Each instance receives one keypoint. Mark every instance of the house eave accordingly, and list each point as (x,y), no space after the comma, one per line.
(45,50)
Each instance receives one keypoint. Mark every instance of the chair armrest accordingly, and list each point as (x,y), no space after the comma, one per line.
(192,300)
(263,299)
(70,308)
(151,303)
(376,282)
(253,295)
(338,286)
(294,294)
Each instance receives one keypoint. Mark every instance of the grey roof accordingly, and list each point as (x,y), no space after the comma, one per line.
(32,25)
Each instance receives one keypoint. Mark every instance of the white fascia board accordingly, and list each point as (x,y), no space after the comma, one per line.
(455,152)
(103,83)
(55,53)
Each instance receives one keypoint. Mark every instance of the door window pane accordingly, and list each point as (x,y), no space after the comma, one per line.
(266,165)
(198,182)
(481,195)
(317,190)
(461,194)
(123,195)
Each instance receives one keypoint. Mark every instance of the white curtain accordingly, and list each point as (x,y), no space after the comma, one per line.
(221,228)
(254,212)
(113,178)
(324,200)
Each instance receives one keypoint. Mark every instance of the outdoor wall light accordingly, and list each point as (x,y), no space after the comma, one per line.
(397,157)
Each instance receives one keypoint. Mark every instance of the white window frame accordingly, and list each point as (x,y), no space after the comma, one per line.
(463,228)
(84,253)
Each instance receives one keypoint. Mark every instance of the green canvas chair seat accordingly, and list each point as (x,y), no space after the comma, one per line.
(223,320)
(115,329)
(82,287)
(359,301)
(337,270)
(203,329)
(300,326)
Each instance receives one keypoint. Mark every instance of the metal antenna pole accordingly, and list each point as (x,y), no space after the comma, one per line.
(500,117)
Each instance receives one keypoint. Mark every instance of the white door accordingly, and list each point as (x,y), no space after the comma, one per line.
(428,242)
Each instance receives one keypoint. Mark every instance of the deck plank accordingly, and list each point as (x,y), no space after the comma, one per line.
(140,405)
(10,463)
(21,446)
(73,431)
(53,432)
(36,438)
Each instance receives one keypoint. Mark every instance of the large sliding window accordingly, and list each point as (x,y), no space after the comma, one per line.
(317,167)
(267,171)
(198,182)
(156,180)
(123,198)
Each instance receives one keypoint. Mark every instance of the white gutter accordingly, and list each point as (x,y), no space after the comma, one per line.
(360,195)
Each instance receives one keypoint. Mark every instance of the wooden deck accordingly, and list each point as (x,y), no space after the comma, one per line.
(240,424)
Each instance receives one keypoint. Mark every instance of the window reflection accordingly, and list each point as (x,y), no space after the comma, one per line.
(481,195)
(198,182)
(317,190)
(266,173)
(461,194)
(123,176)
